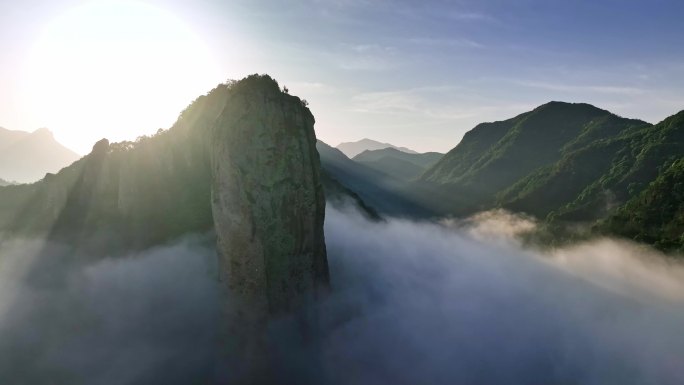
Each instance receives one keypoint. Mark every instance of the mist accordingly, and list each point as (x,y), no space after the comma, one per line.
(466,303)
(144,318)
(456,302)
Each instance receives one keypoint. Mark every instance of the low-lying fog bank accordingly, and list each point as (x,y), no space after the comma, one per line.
(412,303)
(452,304)
(147,318)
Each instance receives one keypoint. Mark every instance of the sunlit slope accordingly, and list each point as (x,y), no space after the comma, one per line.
(592,180)
(570,164)
(494,156)
(135,194)
(654,212)
(141,192)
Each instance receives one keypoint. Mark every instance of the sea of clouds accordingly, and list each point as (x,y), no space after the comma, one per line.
(455,302)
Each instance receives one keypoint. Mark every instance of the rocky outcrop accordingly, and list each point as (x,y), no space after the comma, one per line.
(268,208)
(267,199)
(241,159)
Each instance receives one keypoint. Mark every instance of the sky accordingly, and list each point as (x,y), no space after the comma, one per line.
(415,74)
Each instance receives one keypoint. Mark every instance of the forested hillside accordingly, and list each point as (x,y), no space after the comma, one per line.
(569,164)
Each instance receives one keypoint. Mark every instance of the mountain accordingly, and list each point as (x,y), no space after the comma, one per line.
(8,137)
(340,196)
(240,160)
(656,214)
(27,157)
(593,180)
(4,183)
(629,185)
(569,164)
(424,160)
(493,157)
(382,192)
(351,149)
(399,164)
(241,163)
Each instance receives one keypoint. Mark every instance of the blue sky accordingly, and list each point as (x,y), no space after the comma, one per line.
(417,74)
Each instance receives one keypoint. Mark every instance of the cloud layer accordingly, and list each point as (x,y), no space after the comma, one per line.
(139,319)
(442,305)
(412,303)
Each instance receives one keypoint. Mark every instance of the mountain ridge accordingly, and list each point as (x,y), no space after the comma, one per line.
(399,164)
(568,164)
(493,156)
(351,149)
(382,192)
(26,157)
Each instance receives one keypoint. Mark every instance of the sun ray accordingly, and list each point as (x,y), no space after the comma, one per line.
(116,70)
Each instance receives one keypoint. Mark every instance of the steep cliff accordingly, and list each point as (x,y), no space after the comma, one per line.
(267,198)
(241,160)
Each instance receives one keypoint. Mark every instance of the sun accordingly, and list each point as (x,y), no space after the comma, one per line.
(115,69)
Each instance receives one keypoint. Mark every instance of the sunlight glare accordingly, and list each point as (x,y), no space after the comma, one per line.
(116,69)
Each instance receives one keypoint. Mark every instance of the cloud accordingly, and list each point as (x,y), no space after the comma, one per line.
(469,16)
(494,225)
(450,42)
(458,302)
(436,304)
(364,57)
(442,103)
(305,88)
(600,89)
(144,318)
(372,48)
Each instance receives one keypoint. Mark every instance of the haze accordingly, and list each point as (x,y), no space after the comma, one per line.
(413,303)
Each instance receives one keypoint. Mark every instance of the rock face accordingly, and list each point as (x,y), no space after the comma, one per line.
(241,159)
(267,199)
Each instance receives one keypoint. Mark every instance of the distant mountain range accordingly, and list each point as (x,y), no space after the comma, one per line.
(399,164)
(26,157)
(564,163)
(352,149)
(375,188)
